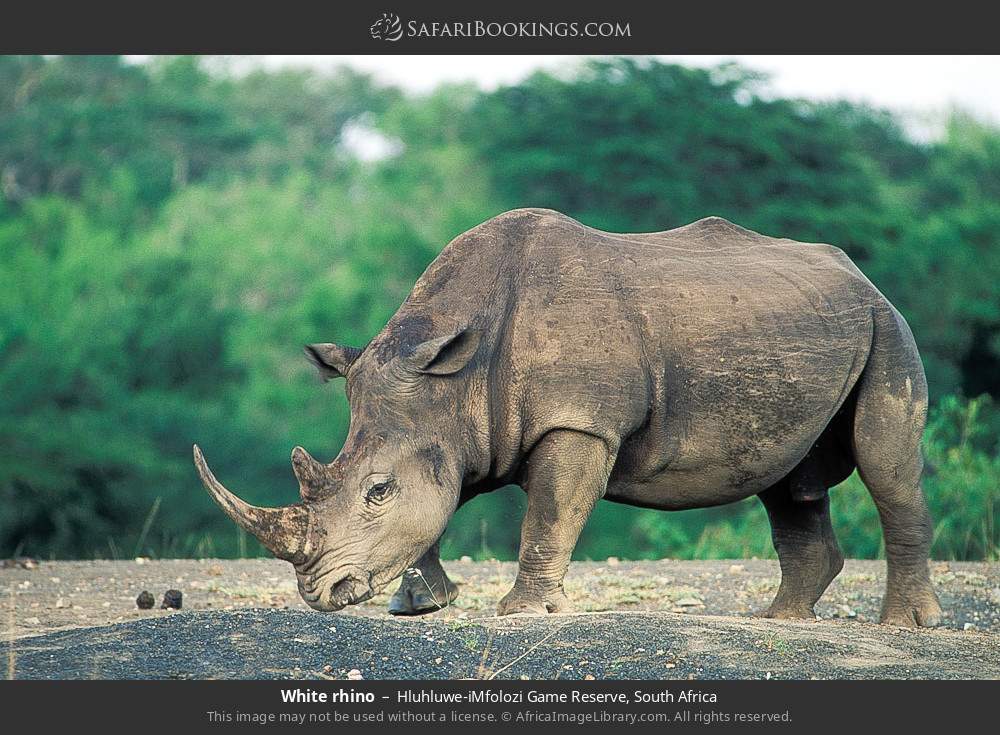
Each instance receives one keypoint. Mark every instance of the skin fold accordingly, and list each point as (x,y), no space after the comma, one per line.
(671,370)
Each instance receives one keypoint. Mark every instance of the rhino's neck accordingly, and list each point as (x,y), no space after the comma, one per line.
(471,284)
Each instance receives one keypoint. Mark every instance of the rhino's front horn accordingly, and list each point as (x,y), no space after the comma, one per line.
(282,530)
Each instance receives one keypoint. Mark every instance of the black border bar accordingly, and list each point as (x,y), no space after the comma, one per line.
(337,27)
(833,706)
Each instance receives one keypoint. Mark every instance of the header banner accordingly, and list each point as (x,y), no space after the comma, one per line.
(437,27)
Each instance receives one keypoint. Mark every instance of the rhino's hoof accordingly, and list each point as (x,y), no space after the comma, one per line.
(785,611)
(516,602)
(923,614)
(418,600)
(522,607)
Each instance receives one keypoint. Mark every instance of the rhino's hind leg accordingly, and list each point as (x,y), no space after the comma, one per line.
(807,548)
(425,588)
(566,474)
(888,425)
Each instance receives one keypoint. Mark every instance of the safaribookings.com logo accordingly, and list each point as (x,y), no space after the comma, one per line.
(387,28)
(390,28)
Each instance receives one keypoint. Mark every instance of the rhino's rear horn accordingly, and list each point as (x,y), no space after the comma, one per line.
(310,473)
(282,530)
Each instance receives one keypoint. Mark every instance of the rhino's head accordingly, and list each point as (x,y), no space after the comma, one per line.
(371,513)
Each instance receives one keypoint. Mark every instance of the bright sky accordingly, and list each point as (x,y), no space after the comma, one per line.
(922,87)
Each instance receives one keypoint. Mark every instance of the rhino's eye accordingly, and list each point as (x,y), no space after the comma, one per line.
(378,492)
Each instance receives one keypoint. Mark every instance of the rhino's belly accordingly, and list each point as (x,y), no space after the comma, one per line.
(711,453)
(697,488)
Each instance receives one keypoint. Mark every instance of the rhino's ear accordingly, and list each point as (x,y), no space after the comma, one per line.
(445,355)
(331,360)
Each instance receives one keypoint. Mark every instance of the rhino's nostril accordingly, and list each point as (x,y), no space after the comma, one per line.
(308,585)
(339,593)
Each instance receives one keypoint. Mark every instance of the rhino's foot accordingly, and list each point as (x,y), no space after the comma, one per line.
(529,602)
(416,596)
(789,612)
(919,609)
(803,585)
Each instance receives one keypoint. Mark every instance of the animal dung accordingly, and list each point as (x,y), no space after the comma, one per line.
(21,562)
(145,600)
(172,600)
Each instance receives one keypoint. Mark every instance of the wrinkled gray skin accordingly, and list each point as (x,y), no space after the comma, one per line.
(670,370)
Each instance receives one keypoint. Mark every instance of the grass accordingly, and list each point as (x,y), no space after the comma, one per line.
(147,524)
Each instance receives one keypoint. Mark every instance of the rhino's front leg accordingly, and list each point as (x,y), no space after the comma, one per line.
(565,476)
(425,588)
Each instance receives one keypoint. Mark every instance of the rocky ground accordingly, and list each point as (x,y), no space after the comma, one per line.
(663,619)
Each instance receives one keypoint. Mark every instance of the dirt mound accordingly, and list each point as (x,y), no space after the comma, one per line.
(656,620)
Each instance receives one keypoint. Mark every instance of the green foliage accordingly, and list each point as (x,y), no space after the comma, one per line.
(172,233)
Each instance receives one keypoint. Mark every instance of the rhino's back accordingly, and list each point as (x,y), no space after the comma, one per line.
(709,251)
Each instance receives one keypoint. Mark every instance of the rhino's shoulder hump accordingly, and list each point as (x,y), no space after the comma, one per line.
(518,221)
(509,229)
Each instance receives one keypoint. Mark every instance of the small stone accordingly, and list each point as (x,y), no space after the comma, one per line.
(466,559)
(145,600)
(172,600)
(141,560)
(670,666)
(613,561)
(995,595)
(737,569)
(60,603)
(355,675)
(589,677)
(438,660)
(689,602)
(328,668)
(970,626)
(33,621)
